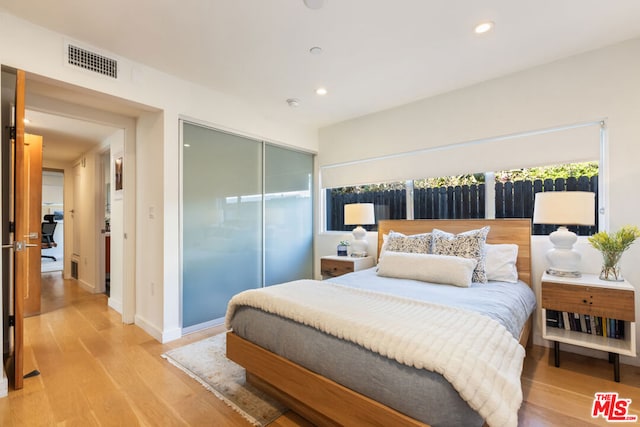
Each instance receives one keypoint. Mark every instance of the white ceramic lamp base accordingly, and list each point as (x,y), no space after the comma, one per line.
(359,246)
(563,259)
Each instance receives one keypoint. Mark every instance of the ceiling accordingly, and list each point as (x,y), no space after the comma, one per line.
(375,54)
(64,138)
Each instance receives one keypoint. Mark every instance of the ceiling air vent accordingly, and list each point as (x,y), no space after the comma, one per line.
(92,61)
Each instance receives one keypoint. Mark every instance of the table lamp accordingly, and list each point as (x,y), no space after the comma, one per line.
(564,208)
(359,214)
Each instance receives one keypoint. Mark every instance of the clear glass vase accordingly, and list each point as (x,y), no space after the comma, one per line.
(611,267)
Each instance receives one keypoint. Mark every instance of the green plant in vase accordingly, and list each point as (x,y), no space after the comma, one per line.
(612,246)
(343,247)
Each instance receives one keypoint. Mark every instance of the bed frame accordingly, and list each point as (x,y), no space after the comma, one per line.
(327,403)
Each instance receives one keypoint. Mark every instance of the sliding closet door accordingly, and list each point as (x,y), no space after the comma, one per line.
(288,215)
(221,222)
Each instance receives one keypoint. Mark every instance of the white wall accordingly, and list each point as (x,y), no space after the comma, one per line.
(151,302)
(52,190)
(85,221)
(39,51)
(603,84)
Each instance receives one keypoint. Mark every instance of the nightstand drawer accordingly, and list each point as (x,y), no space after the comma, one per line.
(592,300)
(334,268)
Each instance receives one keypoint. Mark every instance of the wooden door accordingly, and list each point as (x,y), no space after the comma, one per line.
(33,176)
(27,196)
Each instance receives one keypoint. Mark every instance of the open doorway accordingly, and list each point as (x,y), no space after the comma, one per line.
(79,127)
(52,257)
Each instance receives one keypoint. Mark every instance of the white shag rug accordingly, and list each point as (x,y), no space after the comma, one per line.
(205,361)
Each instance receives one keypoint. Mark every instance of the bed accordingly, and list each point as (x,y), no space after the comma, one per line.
(334,381)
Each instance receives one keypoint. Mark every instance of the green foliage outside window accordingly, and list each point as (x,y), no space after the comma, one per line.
(385,186)
(576,170)
(449,181)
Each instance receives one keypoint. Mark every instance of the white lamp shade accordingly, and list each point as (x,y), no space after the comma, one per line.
(564,208)
(359,214)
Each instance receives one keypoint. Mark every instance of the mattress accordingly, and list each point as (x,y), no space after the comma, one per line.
(419,393)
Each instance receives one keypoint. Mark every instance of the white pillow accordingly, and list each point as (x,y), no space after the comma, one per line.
(445,269)
(500,262)
(383,248)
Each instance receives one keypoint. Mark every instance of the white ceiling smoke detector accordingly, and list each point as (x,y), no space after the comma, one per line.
(314,4)
(293,102)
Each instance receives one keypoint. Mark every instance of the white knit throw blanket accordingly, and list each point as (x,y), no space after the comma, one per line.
(476,354)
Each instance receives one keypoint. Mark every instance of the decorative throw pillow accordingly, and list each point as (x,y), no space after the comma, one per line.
(447,270)
(501,262)
(416,243)
(470,244)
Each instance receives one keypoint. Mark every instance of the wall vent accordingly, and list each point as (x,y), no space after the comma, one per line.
(74,269)
(92,61)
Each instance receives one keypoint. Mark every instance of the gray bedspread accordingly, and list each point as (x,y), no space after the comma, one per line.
(421,394)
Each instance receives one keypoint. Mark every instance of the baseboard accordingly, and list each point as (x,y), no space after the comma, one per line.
(157,333)
(171,335)
(202,326)
(174,333)
(87,286)
(115,304)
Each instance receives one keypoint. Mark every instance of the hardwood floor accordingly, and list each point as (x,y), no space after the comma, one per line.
(95,371)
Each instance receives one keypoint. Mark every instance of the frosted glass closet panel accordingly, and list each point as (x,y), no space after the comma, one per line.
(222,221)
(288,215)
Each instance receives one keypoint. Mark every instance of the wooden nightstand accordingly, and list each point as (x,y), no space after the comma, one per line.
(334,266)
(588,295)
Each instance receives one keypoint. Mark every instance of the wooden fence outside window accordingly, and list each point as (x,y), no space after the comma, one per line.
(512,200)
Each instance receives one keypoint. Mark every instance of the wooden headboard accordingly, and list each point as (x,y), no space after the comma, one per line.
(516,231)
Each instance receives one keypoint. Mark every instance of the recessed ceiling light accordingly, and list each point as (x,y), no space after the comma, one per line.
(187,145)
(315,50)
(321,91)
(293,102)
(483,27)
(26,121)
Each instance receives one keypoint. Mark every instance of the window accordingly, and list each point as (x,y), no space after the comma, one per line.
(389,199)
(510,195)
(515,191)
(452,197)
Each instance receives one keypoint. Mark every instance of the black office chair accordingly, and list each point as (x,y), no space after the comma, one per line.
(48,228)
